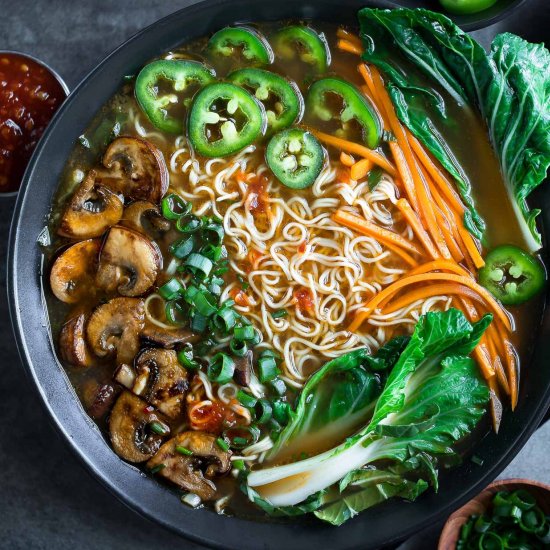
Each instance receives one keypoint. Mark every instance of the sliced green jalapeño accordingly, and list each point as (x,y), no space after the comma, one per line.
(462,7)
(295,157)
(282,100)
(333,100)
(240,44)
(224,119)
(305,44)
(166,86)
(511,275)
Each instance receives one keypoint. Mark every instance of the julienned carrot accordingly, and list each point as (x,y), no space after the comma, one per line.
(362,225)
(384,295)
(360,169)
(446,229)
(405,173)
(501,376)
(484,362)
(440,265)
(471,246)
(347,160)
(356,149)
(512,368)
(440,289)
(414,221)
(405,256)
(496,404)
(349,36)
(444,184)
(347,46)
(373,96)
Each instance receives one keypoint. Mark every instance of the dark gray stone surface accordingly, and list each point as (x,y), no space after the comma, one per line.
(47,500)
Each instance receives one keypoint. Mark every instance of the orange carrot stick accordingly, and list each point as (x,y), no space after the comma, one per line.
(412,219)
(349,36)
(347,46)
(360,169)
(356,149)
(368,228)
(347,160)
(512,368)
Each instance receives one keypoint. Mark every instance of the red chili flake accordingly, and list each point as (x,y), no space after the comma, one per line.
(303,299)
(258,198)
(29,96)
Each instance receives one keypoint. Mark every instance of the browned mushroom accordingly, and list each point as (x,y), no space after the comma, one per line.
(73,272)
(243,369)
(91,211)
(98,398)
(72,342)
(136,168)
(145,217)
(114,327)
(158,378)
(128,262)
(166,338)
(136,430)
(202,460)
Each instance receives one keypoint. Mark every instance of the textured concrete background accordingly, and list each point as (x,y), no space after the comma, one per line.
(47,500)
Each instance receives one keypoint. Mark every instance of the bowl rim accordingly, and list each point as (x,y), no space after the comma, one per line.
(61,82)
(101,467)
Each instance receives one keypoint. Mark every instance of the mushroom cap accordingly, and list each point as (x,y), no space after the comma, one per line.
(136,169)
(72,342)
(73,272)
(166,338)
(243,369)
(129,428)
(91,210)
(145,218)
(193,472)
(161,380)
(128,262)
(114,327)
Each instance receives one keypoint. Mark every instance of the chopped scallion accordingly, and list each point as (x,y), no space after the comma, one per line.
(173,207)
(184,450)
(246,399)
(222,444)
(182,247)
(221,368)
(199,265)
(159,428)
(171,290)
(279,314)
(267,369)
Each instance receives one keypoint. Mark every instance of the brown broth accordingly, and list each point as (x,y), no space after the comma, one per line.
(469,136)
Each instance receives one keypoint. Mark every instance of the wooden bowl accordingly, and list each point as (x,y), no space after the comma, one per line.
(478,505)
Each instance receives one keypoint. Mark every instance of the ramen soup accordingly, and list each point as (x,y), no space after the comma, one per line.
(273,289)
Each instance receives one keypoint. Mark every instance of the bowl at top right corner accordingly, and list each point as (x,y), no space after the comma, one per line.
(479,504)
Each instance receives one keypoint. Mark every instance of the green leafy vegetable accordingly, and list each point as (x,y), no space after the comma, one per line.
(510,86)
(433,397)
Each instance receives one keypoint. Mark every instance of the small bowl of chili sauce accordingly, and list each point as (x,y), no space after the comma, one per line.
(30,93)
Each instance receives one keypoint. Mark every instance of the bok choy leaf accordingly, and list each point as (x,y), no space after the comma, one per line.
(433,397)
(510,86)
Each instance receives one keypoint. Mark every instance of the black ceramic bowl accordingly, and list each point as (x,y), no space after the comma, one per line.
(381,525)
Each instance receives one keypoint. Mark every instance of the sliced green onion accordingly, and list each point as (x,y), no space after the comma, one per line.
(279,386)
(281,411)
(183,450)
(221,368)
(280,313)
(157,468)
(257,338)
(173,206)
(246,399)
(274,428)
(198,322)
(186,358)
(490,541)
(199,265)
(270,353)
(239,464)
(222,444)
(225,319)
(242,436)
(213,233)
(175,314)
(244,333)
(264,411)
(188,224)
(182,247)
(267,368)
(159,428)
(215,286)
(238,347)
(532,521)
(171,290)
(204,302)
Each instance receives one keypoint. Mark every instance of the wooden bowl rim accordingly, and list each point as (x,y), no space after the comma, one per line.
(452,525)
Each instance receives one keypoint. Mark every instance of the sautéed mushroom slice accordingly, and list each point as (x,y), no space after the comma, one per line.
(158,378)
(91,211)
(167,338)
(114,327)
(73,272)
(243,369)
(128,262)
(99,397)
(191,460)
(72,342)
(145,218)
(136,430)
(136,168)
